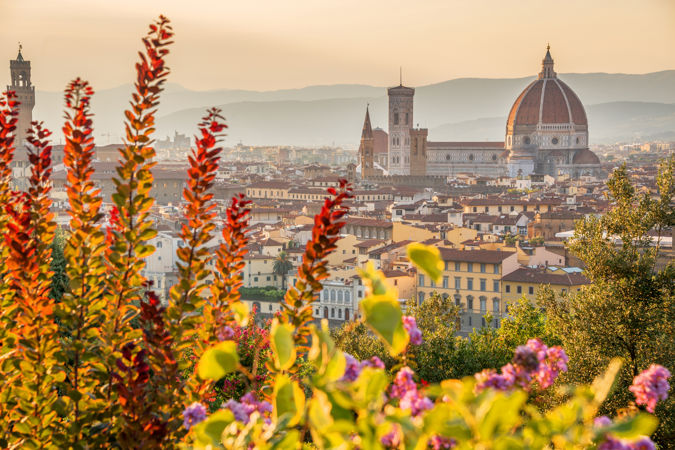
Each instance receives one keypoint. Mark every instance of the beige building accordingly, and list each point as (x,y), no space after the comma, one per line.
(473,279)
(527,282)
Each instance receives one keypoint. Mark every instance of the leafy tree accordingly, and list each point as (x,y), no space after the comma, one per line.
(282,265)
(628,311)
(58,266)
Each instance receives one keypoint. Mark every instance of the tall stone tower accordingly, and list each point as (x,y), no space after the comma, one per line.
(367,148)
(400,124)
(418,151)
(25,92)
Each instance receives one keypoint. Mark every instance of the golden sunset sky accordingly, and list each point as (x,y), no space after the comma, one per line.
(273,44)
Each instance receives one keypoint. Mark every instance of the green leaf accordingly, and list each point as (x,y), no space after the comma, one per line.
(218,361)
(383,315)
(282,344)
(240,310)
(604,383)
(639,425)
(369,387)
(427,258)
(287,399)
(210,431)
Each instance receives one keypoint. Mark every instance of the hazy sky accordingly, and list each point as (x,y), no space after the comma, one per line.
(273,44)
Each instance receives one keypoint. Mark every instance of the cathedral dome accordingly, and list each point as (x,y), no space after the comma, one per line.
(547,101)
(585,156)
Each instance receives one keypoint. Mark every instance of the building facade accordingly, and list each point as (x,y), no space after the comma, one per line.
(546,134)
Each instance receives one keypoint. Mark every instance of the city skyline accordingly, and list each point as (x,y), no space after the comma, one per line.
(302,44)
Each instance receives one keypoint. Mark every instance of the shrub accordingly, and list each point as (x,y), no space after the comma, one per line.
(108,366)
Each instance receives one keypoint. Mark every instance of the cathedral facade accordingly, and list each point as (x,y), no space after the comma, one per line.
(546,134)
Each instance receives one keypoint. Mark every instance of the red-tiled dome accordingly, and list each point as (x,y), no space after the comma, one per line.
(585,156)
(547,101)
(559,105)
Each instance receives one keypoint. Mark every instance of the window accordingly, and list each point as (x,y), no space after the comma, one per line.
(268,278)
(446,282)
(339,313)
(458,300)
(458,283)
(495,305)
(447,265)
(332,312)
(530,290)
(332,296)
(469,303)
(475,209)
(482,267)
(469,267)
(420,296)
(420,280)
(469,284)
(519,289)
(395,118)
(507,288)
(339,294)
(495,285)
(483,305)
(483,283)
(269,307)
(432,283)
(496,268)
(458,267)
(406,118)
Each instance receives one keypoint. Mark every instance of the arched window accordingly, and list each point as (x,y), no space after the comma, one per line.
(469,302)
(348,296)
(483,304)
(325,295)
(458,300)
(332,296)
(339,295)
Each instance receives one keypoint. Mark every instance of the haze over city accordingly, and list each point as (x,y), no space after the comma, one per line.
(267,45)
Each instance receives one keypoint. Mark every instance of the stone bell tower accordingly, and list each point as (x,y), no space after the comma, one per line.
(25,93)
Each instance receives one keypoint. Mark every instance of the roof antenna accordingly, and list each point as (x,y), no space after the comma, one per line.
(400,75)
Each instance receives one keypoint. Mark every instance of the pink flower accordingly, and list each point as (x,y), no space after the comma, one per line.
(373,362)
(613,444)
(410,325)
(643,444)
(602,421)
(489,378)
(194,414)
(393,439)
(651,386)
(352,370)
(439,442)
(225,334)
(405,389)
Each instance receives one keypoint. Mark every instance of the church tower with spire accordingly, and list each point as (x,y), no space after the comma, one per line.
(367,149)
(25,92)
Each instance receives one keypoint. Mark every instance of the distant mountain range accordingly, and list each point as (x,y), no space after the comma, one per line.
(620,107)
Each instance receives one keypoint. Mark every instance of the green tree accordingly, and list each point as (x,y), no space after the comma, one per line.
(282,265)
(58,265)
(628,310)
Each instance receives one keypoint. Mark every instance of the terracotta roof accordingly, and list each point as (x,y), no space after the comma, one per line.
(461,145)
(559,105)
(479,256)
(531,275)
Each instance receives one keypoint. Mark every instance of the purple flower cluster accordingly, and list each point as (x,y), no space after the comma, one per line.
(617,444)
(354,366)
(243,409)
(611,443)
(410,325)
(651,386)
(405,389)
(440,442)
(225,334)
(194,414)
(393,439)
(532,362)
